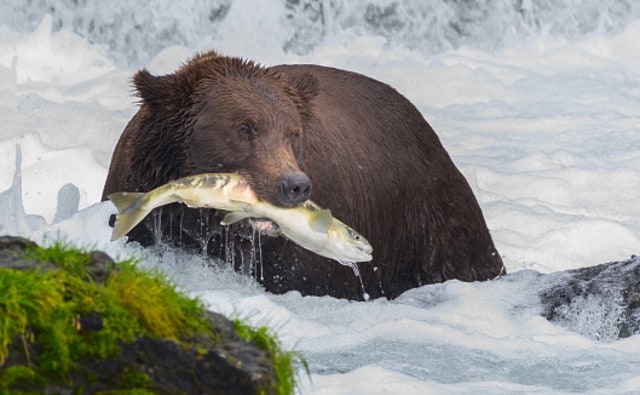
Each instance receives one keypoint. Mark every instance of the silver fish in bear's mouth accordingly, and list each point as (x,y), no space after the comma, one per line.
(307,225)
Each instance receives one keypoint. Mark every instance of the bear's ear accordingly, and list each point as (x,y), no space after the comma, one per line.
(306,87)
(154,90)
(306,84)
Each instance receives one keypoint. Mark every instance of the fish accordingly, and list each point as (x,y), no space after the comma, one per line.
(312,228)
(307,225)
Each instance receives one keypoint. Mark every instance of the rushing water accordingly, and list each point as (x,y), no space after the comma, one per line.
(538,102)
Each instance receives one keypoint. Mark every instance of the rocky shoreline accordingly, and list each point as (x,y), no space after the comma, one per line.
(47,358)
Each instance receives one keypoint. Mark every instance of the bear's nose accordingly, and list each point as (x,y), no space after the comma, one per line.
(295,188)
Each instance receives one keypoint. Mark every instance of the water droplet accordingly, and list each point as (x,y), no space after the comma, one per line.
(356,272)
(157,225)
(261,265)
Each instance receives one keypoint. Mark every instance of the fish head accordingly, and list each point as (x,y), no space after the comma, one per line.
(347,245)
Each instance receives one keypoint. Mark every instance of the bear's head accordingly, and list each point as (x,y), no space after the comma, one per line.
(223,114)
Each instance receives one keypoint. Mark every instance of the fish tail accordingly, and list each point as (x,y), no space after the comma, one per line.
(131,210)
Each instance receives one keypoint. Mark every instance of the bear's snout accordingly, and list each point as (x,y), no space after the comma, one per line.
(295,188)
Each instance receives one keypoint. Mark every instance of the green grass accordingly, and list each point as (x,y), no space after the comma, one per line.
(284,362)
(46,308)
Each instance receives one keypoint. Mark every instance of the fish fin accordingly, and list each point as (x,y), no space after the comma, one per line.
(311,205)
(124,200)
(130,213)
(239,203)
(230,205)
(191,204)
(322,221)
(233,217)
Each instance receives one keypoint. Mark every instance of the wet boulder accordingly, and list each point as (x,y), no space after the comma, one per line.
(77,322)
(601,302)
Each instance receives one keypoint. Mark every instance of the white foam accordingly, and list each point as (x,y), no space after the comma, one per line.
(45,171)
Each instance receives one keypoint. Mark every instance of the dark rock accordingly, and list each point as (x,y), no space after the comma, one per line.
(100,266)
(14,243)
(90,322)
(601,302)
(12,251)
(235,367)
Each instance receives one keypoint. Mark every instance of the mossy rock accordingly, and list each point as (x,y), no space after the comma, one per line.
(76,322)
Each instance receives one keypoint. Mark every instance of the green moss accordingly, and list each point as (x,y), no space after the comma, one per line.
(14,374)
(160,309)
(26,300)
(72,260)
(126,392)
(46,308)
(134,379)
(283,361)
(54,313)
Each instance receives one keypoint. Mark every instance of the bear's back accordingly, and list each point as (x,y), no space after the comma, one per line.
(378,164)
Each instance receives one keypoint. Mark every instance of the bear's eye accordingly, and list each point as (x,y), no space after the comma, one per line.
(246,131)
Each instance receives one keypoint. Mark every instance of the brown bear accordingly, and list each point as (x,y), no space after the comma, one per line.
(353,144)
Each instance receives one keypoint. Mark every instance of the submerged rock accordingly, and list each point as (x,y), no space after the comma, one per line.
(601,302)
(82,326)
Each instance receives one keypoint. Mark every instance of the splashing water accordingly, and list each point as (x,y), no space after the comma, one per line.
(356,272)
(229,248)
(427,26)
(256,254)
(12,214)
(260,251)
(156,217)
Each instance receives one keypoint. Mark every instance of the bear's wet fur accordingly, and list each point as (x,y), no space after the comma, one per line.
(367,153)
